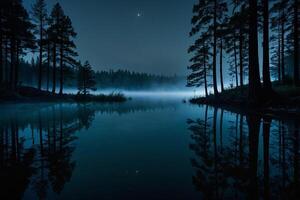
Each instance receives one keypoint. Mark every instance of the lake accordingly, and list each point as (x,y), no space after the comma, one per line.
(145,149)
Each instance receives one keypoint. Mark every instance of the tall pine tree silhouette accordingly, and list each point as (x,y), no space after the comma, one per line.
(39,13)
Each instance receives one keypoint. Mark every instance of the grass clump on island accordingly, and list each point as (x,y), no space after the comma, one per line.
(112,97)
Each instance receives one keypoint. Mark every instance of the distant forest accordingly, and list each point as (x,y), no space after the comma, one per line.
(120,79)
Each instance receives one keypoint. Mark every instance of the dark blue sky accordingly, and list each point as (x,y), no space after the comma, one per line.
(112,36)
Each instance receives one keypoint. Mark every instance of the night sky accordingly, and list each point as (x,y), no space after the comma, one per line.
(140,35)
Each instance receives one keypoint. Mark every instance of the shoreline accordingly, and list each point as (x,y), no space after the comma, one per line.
(276,103)
(33,95)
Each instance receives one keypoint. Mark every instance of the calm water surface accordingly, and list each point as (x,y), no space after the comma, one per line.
(145,149)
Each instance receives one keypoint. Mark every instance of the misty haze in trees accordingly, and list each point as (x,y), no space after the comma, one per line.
(233,28)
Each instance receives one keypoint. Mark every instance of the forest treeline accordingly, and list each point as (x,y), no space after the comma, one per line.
(230,31)
(50,36)
(120,79)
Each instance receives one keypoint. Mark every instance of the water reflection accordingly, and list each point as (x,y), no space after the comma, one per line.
(258,157)
(43,157)
(37,143)
(115,151)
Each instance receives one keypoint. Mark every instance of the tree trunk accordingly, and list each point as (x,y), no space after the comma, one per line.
(6,75)
(279,56)
(221,64)
(54,69)
(266,63)
(48,65)
(254,77)
(17,65)
(12,63)
(205,73)
(61,78)
(41,56)
(1,56)
(84,81)
(215,85)
(296,44)
(282,46)
(241,40)
(235,65)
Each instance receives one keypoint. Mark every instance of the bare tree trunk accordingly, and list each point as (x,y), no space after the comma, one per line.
(1,54)
(61,78)
(215,85)
(241,40)
(221,64)
(282,46)
(54,69)
(48,65)
(17,65)
(235,65)
(296,43)
(266,63)
(205,73)
(6,75)
(41,55)
(254,77)
(279,56)
(12,63)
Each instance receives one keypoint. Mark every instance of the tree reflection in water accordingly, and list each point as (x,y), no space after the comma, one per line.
(37,143)
(257,158)
(45,162)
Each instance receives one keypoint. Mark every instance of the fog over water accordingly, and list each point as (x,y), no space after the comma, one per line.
(180,93)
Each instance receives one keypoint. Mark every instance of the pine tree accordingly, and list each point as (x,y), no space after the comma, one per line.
(86,79)
(67,49)
(231,48)
(20,36)
(40,18)
(54,31)
(200,66)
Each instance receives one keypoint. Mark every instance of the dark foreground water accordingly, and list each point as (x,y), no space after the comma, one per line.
(145,150)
